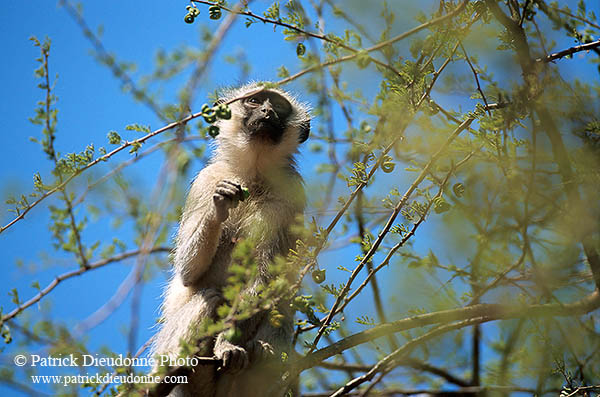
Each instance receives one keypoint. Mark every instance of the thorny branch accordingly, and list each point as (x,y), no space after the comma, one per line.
(486,312)
(190,117)
(334,309)
(110,154)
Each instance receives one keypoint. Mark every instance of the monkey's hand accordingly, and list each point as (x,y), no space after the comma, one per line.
(260,350)
(227,195)
(235,358)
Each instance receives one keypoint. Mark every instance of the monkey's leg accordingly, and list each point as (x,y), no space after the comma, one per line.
(265,352)
(183,325)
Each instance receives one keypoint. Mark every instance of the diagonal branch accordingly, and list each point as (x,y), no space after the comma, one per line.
(378,46)
(403,351)
(307,33)
(489,311)
(107,156)
(570,51)
(58,279)
(465,124)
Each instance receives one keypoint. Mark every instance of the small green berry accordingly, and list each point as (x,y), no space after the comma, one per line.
(440,205)
(223,112)
(458,189)
(210,116)
(388,165)
(300,49)
(213,131)
(365,127)
(189,18)
(214,12)
(245,193)
(318,276)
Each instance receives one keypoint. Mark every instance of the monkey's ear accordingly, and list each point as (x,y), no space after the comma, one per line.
(304,131)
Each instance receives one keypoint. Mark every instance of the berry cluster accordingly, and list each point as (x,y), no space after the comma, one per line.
(193,12)
(211,114)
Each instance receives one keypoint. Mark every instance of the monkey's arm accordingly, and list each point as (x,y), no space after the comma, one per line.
(201,225)
(196,243)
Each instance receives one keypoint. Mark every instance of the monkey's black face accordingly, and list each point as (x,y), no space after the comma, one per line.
(266,115)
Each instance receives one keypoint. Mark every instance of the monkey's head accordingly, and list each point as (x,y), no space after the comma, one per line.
(266,120)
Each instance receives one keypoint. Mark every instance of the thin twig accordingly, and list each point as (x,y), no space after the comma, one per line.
(379,46)
(118,72)
(110,154)
(386,228)
(584,20)
(318,36)
(475,74)
(77,272)
(570,51)
(491,311)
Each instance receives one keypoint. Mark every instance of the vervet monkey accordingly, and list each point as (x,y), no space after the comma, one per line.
(255,151)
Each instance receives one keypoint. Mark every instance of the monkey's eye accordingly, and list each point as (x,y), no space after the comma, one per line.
(253,101)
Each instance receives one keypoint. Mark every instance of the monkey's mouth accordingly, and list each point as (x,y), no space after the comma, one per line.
(266,129)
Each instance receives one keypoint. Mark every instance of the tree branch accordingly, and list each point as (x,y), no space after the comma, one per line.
(110,154)
(570,51)
(58,279)
(558,147)
(490,311)
(378,46)
(465,124)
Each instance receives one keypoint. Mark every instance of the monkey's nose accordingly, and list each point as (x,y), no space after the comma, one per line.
(267,111)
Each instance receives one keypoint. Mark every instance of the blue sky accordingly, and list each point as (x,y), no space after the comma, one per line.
(91,103)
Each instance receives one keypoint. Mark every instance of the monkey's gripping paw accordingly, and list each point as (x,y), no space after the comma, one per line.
(260,350)
(227,195)
(234,358)
(212,297)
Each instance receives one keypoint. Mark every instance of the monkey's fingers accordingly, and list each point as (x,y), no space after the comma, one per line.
(218,198)
(235,360)
(230,186)
(227,192)
(226,182)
